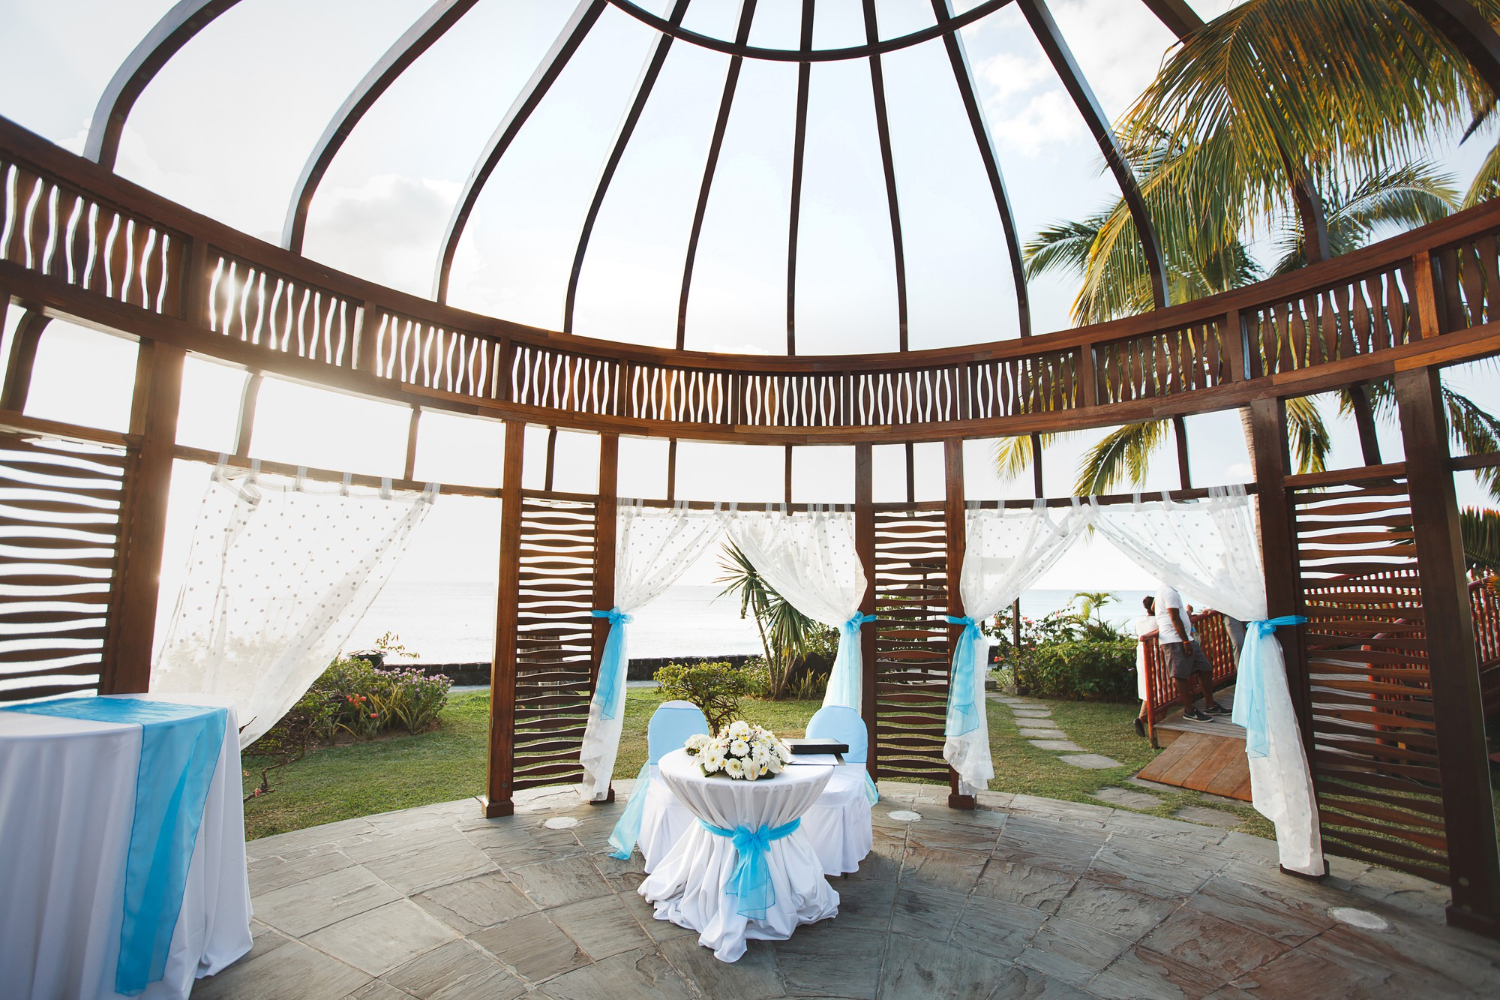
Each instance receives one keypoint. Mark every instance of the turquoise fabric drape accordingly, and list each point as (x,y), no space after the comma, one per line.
(628,830)
(180,747)
(750,882)
(610,688)
(962,716)
(1249,692)
(844,680)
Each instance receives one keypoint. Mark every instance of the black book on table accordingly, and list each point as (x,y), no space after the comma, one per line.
(802,746)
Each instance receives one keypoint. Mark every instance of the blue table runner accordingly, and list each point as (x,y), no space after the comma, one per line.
(179,753)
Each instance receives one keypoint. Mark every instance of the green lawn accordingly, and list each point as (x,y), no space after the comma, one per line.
(358,779)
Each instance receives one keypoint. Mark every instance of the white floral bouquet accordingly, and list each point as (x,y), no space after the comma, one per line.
(740,751)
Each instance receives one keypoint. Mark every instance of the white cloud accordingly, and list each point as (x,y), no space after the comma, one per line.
(386,229)
(1046,121)
(1008,74)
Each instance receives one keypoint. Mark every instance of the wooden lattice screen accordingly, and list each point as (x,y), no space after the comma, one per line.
(59,553)
(554,640)
(911,642)
(1374,750)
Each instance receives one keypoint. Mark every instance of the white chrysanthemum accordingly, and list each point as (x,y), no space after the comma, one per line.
(739,729)
(711,766)
(760,753)
(712,753)
(696,742)
(739,748)
(734,767)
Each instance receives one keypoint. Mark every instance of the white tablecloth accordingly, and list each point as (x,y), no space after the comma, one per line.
(67,800)
(687,886)
(838,824)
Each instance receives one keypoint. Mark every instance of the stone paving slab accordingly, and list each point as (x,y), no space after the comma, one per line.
(1048,732)
(1128,799)
(1091,761)
(1057,745)
(1024,897)
(1208,817)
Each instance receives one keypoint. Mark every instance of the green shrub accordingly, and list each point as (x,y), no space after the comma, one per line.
(1080,671)
(716,688)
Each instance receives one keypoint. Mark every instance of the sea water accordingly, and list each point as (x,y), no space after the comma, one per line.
(451,622)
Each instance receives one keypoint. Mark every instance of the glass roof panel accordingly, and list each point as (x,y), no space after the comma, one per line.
(838,23)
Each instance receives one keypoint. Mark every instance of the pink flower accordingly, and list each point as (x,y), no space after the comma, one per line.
(374,715)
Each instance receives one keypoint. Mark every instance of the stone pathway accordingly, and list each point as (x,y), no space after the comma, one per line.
(1034,721)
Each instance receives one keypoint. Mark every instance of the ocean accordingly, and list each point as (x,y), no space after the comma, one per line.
(455,622)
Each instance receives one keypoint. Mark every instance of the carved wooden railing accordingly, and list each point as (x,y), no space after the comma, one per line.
(76,239)
(1163,697)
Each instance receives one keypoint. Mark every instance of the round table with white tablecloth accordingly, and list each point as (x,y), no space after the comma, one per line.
(689,885)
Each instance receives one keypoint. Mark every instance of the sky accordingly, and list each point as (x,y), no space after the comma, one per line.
(228,123)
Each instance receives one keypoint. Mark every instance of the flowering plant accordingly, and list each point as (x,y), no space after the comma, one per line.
(741,751)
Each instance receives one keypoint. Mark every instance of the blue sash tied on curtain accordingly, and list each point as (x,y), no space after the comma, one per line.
(843,680)
(962,716)
(1249,693)
(750,882)
(612,664)
(180,747)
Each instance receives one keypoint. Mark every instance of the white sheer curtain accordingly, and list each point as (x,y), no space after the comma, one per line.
(279,573)
(1005,552)
(1210,548)
(810,559)
(654,547)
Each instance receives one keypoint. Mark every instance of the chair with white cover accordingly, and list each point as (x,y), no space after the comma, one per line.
(653,817)
(838,824)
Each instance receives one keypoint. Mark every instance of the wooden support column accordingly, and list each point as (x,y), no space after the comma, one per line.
(413,429)
(1184,467)
(864,549)
(497,799)
(1473,860)
(143,519)
(246,427)
(953,517)
(22,350)
(1364,421)
(606,533)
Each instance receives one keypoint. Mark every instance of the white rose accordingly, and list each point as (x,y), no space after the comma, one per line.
(734,768)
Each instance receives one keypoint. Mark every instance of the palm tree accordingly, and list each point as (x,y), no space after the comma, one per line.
(785,632)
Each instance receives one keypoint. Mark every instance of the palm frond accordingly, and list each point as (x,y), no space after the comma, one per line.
(1480,530)
(1486,183)
(1122,454)
(1063,246)
(1307,434)
(1476,432)
(1013,455)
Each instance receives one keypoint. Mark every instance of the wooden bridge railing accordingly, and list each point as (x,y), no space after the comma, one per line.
(1162,694)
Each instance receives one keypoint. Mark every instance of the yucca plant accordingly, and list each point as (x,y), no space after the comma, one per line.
(784,631)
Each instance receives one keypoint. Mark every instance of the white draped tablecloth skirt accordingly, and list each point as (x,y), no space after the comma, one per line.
(838,824)
(67,801)
(687,886)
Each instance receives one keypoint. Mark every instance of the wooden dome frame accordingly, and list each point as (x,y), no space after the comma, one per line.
(81,243)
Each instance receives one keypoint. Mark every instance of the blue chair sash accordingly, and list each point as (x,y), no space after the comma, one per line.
(962,716)
(179,753)
(750,882)
(628,829)
(610,688)
(1250,685)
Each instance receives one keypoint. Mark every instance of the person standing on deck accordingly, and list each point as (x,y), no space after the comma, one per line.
(1145,624)
(1184,657)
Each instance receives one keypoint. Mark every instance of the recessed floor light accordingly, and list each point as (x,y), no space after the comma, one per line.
(561,823)
(905,816)
(1363,919)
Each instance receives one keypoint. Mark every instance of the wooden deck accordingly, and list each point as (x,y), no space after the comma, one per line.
(1203,756)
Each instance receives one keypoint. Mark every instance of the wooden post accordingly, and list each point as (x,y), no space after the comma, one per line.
(953,517)
(22,350)
(1458,716)
(497,800)
(606,531)
(246,427)
(143,519)
(864,549)
(1184,467)
(413,428)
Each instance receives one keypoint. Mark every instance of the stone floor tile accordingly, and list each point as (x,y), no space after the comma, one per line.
(645,916)
(925,914)
(1217,947)
(509,843)
(1072,951)
(970,831)
(533,946)
(1187,837)
(323,899)
(1259,908)
(459,970)
(291,972)
(1079,813)
(1058,746)
(476,903)
(274,873)
(1113,910)
(559,881)
(1090,761)
(378,940)
(1158,869)
(1140,973)
(1128,799)
(1057,845)
(756,976)
(312,839)
(637,975)
(946,871)
(996,928)
(1025,885)
(378,990)
(1022,983)
(807,970)
(430,859)
(1289,975)
(601,927)
(866,903)
(1208,817)
(923,969)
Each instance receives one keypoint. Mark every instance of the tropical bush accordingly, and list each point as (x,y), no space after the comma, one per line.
(716,688)
(788,638)
(1081,671)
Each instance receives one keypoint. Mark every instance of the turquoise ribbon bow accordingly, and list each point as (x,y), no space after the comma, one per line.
(1249,693)
(750,882)
(962,717)
(611,683)
(180,747)
(843,680)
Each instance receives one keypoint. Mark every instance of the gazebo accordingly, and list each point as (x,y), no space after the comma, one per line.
(1389,679)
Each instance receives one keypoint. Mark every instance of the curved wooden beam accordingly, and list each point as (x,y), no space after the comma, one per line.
(715,146)
(1051,39)
(643,88)
(809,54)
(888,165)
(584,16)
(799,150)
(1179,18)
(176,28)
(24,342)
(416,40)
(963,76)
(1468,31)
